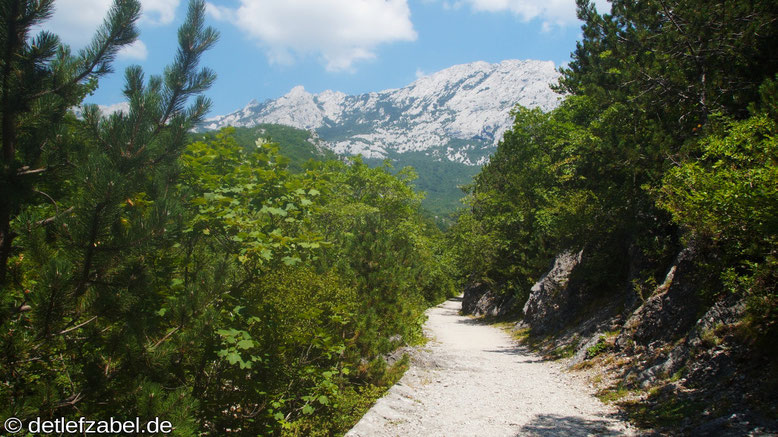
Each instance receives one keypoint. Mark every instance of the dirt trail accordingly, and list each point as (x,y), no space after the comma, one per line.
(471,379)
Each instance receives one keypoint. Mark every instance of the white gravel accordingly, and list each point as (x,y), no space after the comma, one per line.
(472,379)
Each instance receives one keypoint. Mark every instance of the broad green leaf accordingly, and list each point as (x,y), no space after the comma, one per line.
(245,344)
(233,357)
(290,261)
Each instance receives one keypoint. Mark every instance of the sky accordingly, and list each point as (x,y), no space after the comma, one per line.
(267,47)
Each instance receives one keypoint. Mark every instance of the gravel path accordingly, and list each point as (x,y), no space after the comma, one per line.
(471,379)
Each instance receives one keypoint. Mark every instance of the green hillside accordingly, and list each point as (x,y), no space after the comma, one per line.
(296,144)
(439,180)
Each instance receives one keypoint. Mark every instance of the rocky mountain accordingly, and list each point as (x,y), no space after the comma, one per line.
(457,114)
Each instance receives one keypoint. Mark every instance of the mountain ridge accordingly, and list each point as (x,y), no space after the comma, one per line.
(457,114)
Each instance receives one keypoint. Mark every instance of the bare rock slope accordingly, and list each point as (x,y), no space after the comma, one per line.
(457,114)
(472,379)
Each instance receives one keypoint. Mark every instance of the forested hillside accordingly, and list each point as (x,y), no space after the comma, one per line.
(297,145)
(209,282)
(659,174)
(442,183)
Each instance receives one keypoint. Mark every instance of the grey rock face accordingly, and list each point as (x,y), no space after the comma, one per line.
(671,311)
(457,114)
(582,354)
(725,312)
(473,294)
(550,300)
(479,300)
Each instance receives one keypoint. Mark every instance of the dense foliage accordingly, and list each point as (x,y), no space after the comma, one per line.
(666,139)
(202,282)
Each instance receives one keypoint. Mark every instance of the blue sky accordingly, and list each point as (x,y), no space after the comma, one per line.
(269,46)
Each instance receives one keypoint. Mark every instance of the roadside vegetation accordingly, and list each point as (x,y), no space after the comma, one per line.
(149,272)
(666,139)
(665,144)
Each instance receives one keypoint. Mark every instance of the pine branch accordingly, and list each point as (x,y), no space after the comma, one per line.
(80,325)
(118,30)
(50,220)
(161,340)
(24,171)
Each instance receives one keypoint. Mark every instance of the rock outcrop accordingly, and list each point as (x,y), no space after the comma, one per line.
(552,299)
(481,300)
(724,313)
(671,311)
(685,346)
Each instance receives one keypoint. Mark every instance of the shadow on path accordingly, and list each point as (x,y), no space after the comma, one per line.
(566,426)
(486,321)
(523,352)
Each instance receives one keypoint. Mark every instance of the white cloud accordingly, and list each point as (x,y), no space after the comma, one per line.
(159,11)
(136,51)
(116,107)
(448,6)
(420,73)
(341,32)
(219,12)
(554,13)
(75,21)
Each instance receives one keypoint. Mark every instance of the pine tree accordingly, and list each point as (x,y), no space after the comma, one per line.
(82,295)
(41,81)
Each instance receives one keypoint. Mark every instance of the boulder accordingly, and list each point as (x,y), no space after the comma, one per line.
(480,299)
(725,312)
(473,293)
(671,311)
(552,299)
